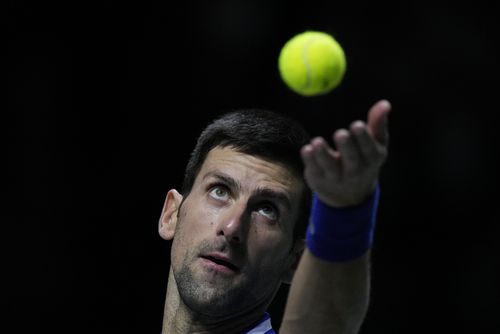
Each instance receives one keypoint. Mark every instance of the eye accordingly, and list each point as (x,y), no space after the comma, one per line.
(269,211)
(219,192)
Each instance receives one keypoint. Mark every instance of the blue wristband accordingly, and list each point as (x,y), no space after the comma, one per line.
(342,234)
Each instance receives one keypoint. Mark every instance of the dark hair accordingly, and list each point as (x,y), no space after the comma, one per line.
(267,134)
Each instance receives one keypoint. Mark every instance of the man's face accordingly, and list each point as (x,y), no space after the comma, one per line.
(234,234)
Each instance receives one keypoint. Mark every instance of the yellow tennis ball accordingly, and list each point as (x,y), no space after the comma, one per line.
(312,63)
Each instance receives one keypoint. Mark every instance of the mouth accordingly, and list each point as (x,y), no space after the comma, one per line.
(220,262)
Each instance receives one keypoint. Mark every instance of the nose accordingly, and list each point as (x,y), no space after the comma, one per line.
(232,223)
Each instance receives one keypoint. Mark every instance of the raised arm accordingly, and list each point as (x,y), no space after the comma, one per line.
(330,290)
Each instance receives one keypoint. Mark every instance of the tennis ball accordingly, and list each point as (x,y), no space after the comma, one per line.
(312,63)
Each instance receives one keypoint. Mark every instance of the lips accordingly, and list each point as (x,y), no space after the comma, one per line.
(220,260)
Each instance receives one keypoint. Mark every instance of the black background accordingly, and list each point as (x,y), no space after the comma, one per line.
(106,98)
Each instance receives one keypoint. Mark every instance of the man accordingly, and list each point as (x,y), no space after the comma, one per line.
(237,227)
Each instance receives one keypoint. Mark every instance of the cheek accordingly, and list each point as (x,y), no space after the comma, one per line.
(196,215)
(192,226)
(269,254)
(193,218)
(182,241)
(179,248)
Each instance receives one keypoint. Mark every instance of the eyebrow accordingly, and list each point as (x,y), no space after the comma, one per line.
(261,192)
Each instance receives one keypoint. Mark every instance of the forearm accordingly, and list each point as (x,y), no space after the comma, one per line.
(327,297)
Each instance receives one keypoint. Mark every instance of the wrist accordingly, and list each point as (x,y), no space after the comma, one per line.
(342,234)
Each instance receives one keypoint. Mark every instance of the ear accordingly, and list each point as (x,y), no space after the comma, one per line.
(168,218)
(293,260)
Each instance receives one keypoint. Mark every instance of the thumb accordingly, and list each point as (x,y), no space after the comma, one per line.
(378,121)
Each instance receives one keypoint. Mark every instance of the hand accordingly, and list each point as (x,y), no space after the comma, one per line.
(348,175)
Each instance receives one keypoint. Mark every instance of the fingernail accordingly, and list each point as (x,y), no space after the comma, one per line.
(317,141)
(357,127)
(342,135)
(385,104)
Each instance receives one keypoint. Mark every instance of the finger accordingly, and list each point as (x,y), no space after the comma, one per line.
(349,152)
(370,152)
(325,157)
(378,121)
(312,169)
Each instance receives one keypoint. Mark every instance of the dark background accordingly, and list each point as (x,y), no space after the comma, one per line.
(104,103)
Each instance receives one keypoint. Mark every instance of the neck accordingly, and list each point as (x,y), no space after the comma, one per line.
(179,318)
